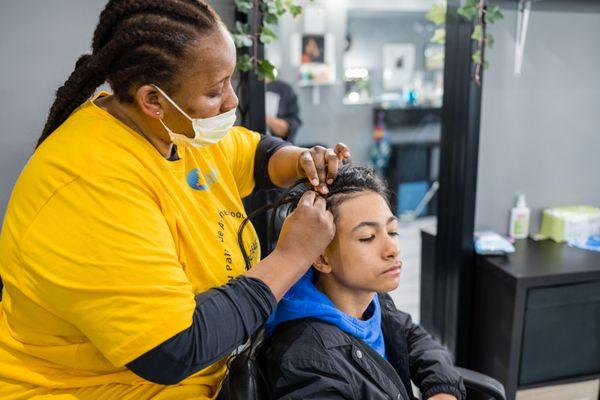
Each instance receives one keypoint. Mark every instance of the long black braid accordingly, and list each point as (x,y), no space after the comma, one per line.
(349,181)
(136,42)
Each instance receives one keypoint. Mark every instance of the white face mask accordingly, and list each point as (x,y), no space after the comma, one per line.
(207,131)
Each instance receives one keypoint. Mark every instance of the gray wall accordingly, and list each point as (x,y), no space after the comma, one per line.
(330,121)
(540,133)
(40,42)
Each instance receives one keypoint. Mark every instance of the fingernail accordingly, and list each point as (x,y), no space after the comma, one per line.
(325,190)
(315,182)
(330,181)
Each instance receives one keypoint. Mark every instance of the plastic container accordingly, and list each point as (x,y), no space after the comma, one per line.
(519,219)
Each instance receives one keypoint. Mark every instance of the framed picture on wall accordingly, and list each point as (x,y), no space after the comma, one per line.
(398,64)
(314,54)
(313,49)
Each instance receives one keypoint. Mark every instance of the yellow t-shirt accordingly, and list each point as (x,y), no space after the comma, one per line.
(104,244)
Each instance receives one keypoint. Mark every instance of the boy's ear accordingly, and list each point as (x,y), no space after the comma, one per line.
(321,265)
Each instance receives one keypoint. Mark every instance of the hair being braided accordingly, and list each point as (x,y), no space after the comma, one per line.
(136,42)
(350,181)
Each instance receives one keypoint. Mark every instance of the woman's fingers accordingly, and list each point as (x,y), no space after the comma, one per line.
(342,151)
(321,165)
(332,162)
(320,204)
(318,154)
(308,166)
(308,199)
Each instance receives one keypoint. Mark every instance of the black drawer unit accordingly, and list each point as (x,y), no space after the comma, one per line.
(536,316)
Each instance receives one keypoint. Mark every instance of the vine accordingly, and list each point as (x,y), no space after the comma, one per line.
(481,14)
(268,15)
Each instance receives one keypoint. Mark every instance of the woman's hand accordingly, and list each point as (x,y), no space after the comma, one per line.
(320,165)
(304,236)
(307,231)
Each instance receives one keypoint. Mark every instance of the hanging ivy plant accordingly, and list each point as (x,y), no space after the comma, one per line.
(270,11)
(481,13)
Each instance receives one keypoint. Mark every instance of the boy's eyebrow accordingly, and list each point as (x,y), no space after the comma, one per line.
(373,224)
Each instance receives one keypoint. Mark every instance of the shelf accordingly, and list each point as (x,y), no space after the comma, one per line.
(407,116)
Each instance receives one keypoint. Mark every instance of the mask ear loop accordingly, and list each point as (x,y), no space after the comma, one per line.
(166,96)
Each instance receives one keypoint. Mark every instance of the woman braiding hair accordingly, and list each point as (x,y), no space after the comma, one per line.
(119,251)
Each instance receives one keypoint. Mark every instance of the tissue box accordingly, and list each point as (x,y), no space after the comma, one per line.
(562,224)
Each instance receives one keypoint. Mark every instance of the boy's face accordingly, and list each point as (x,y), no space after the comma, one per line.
(365,253)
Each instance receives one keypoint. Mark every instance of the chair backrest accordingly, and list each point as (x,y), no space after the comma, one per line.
(245,380)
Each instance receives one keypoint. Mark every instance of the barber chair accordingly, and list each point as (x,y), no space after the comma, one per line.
(245,380)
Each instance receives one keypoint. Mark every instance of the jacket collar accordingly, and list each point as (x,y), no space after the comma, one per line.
(386,376)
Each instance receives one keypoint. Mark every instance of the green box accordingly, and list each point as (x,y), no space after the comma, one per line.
(562,224)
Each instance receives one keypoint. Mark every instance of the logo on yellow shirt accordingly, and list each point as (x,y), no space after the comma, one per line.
(198,181)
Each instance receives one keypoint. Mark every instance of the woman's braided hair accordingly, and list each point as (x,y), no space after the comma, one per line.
(135,42)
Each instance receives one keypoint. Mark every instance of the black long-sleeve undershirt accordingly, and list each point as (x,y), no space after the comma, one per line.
(224,317)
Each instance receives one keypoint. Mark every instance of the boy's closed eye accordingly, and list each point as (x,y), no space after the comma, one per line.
(370,238)
(368,230)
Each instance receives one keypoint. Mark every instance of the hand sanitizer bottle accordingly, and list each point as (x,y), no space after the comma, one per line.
(519,219)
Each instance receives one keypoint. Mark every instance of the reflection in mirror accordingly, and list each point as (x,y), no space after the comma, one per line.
(364,72)
(389,59)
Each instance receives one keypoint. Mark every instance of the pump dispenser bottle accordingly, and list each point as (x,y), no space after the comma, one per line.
(519,219)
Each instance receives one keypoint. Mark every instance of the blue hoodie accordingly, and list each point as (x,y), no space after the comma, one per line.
(304,300)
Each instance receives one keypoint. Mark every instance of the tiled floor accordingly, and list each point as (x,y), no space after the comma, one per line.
(408,293)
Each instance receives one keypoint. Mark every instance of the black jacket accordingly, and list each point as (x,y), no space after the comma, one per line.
(311,359)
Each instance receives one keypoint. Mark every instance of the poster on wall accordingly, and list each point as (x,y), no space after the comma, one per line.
(398,64)
(313,49)
(314,55)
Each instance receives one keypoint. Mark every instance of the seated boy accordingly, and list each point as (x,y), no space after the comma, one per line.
(336,334)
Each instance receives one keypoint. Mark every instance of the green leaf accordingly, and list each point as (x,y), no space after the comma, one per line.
(493,14)
(437,14)
(471,3)
(271,19)
(295,10)
(477,33)
(489,40)
(280,7)
(439,36)
(266,70)
(244,63)
(469,12)
(476,57)
(267,35)
(242,29)
(243,6)
(272,7)
(242,40)
(486,64)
